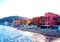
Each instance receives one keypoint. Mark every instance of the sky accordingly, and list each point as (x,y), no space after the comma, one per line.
(28,8)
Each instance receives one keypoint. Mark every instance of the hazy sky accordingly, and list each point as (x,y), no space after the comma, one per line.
(28,8)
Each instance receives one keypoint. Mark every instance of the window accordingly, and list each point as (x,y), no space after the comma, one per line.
(54,18)
(48,17)
(58,18)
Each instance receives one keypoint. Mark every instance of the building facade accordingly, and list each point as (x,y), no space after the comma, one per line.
(50,18)
(38,20)
(58,20)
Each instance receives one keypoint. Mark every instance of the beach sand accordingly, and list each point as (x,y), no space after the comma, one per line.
(37,37)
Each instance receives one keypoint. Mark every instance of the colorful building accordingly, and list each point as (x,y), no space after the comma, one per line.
(50,18)
(58,20)
(28,21)
(23,21)
(17,23)
(38,20)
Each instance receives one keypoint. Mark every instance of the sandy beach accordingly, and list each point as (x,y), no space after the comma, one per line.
(37,37)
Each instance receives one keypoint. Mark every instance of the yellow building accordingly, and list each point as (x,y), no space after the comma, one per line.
(17,21)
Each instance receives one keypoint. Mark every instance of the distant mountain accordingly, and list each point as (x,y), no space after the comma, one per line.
(11,18)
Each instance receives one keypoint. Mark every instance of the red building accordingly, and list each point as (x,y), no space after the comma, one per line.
(51,18)
(38,20)
(58,20)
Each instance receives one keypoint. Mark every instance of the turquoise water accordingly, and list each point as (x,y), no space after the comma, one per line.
(9,34)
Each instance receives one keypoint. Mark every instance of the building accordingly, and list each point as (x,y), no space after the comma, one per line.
(51,18)
(38,20)
(28,21)
(17,23)
(23,21)
(58,20)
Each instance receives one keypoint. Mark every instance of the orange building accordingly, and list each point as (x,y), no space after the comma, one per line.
(23,21)
(17,22)
(28,21)
(38,20)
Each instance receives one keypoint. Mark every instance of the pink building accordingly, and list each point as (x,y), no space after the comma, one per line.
(51,18)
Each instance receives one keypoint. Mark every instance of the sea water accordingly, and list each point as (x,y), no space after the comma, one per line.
(9,34)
